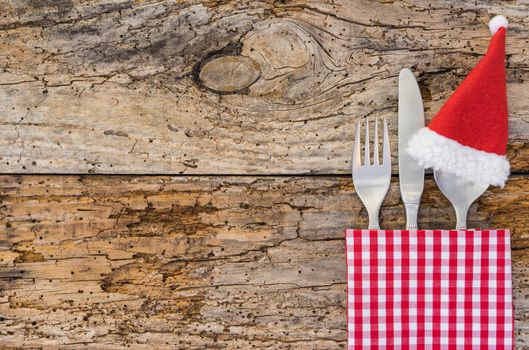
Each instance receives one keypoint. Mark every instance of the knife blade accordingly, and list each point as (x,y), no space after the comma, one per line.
(411,119)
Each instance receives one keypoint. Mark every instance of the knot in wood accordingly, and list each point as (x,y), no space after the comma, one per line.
(229,74)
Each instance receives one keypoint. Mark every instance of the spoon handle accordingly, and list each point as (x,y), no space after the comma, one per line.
(461,218)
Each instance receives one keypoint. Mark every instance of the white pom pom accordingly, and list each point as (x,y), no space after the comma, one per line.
(497,22)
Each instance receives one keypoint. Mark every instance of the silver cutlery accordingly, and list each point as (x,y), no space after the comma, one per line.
(460,192)
(371,178)
(411,120)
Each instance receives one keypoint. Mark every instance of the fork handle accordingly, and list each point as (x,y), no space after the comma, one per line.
(374,226)
(373,219)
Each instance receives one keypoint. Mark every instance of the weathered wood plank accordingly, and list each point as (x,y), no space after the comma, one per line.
(198,262)
(137,87)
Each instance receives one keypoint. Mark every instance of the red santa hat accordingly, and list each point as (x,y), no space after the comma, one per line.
(468,136)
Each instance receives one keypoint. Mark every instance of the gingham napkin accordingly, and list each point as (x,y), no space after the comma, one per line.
(429,289)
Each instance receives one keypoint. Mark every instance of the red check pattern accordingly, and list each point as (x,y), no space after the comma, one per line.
(429,289)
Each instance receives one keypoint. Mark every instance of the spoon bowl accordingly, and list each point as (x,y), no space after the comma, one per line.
(460,192)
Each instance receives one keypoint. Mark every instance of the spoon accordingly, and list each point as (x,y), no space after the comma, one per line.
(460,192)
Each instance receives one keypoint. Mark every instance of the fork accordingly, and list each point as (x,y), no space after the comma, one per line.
(371,179)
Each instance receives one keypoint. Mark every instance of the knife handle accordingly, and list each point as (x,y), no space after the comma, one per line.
(411,215)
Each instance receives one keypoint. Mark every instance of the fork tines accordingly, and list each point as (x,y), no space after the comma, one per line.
(386,158)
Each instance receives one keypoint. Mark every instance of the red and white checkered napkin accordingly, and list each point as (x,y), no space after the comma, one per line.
(429,289)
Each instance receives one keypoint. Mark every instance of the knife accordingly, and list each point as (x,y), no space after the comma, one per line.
(411,119)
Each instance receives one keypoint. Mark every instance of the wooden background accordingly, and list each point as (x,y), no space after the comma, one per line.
(176,174)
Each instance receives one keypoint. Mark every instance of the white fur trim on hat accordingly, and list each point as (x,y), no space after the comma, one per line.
(435,151)
(498,22)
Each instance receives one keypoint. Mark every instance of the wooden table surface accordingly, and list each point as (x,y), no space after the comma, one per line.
(176,174)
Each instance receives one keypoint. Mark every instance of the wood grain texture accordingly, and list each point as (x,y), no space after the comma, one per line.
(119,86)
(201,263)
